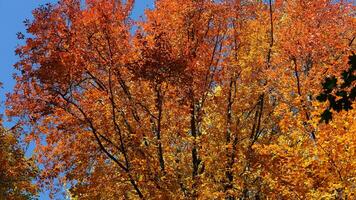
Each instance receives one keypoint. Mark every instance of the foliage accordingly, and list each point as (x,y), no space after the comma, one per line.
(206,100)
(16,171)
(345,92)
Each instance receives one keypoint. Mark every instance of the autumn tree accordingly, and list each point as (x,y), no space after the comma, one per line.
(17,172)
(206,99)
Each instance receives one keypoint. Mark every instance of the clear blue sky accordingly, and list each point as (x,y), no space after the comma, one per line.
(12,15)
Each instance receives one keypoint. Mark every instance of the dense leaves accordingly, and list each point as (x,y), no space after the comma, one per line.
(205,100)
(16,171)
(342,96)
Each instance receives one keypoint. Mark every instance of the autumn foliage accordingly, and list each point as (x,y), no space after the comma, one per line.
(16,171)
(200,100)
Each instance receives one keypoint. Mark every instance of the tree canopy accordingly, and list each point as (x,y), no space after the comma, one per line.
(200,100)
(16,171)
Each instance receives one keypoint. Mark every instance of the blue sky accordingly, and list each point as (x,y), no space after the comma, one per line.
(12,15)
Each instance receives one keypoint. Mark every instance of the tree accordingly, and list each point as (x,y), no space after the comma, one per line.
(207,99)
(16,171)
